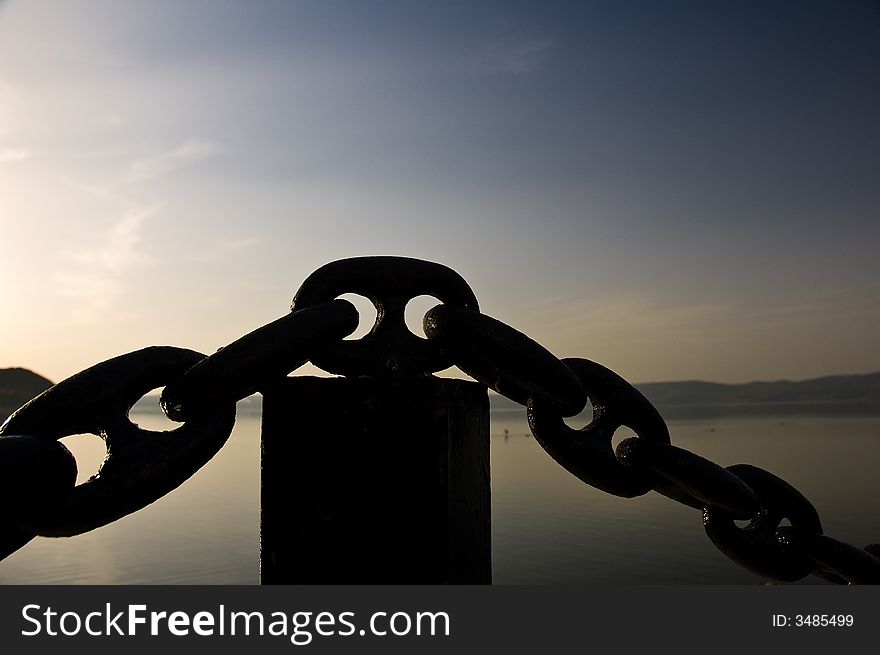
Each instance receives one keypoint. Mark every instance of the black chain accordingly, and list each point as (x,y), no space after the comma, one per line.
(141,466)
(39,472)
(390,349)
(503,359)
(272,351)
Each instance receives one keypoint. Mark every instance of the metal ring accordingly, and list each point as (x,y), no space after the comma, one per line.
(854,565)
(390,349)
(505,359)
(245,365)
(696,476)
(141,465)
(587,453)
(756,547)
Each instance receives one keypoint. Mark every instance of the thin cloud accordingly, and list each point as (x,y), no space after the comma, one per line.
(13,155)
(107,193)
(95,277)
(159,164)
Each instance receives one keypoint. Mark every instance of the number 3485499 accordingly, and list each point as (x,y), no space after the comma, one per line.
(813,620)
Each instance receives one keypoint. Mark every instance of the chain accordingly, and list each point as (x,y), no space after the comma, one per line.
(517,367)
(200,392)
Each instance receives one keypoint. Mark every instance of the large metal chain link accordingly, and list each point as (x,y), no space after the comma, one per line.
(141,466)
(390,349)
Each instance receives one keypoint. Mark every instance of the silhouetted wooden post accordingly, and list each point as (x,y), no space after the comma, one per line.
(375,481)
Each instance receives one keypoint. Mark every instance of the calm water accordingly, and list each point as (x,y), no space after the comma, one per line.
(548,527)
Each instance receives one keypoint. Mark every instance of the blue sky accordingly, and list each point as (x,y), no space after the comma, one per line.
(677,190)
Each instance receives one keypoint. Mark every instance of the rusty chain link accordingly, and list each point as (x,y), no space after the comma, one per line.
(142,466)
(274,350)
(390,349)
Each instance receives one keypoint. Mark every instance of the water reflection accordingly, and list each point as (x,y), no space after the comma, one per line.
(548,527)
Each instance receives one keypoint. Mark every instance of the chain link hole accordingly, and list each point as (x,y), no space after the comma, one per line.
(414,314)
(148,415)
(367,314)
(744,524)
(455,372)
(620,434)
(581,420)
(89,451)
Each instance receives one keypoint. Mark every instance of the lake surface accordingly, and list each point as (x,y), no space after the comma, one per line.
(548,527)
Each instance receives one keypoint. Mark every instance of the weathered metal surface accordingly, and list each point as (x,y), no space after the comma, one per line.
(755,546)
(390,350)
(588,453)
(375,481)
(245,365)
(696,476)
(854,565)
(505,359)
(141,465)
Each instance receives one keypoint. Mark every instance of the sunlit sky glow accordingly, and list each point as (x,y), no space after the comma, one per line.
(678,190)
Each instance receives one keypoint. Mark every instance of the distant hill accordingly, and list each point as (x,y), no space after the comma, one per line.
(17,386)
(835,393)
(829,389)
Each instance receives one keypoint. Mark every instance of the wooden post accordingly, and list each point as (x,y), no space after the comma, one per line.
(369,481)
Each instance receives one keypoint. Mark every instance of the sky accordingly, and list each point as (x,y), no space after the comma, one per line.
(678,190)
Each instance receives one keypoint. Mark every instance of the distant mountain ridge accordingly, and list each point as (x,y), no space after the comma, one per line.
(827,389)
(862,390)
(17,386)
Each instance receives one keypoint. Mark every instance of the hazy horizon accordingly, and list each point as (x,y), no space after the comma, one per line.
(680,191)
(458,373)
